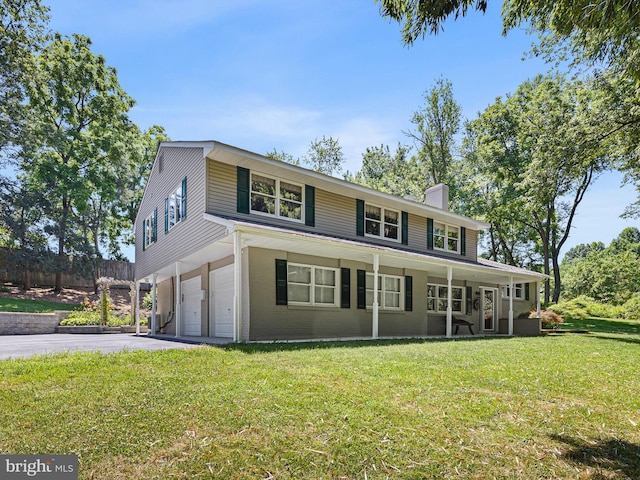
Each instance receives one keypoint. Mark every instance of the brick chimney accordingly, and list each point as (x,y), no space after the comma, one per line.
(437,196)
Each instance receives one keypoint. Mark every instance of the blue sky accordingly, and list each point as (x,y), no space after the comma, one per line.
(278,74)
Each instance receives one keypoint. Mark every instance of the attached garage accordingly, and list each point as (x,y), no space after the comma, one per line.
(191,307)
(221,295)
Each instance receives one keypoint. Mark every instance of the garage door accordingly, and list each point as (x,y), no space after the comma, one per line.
(191,307)
(221,301)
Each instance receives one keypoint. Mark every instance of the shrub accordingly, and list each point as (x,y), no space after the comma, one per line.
(147,301)
(550,319)
(631,309)
(93,318)
(4,289)
(572,310)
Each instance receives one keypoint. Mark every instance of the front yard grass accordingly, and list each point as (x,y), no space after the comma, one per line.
(508,408)
(32,306)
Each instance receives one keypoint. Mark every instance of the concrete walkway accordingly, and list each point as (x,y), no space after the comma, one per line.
(22,346)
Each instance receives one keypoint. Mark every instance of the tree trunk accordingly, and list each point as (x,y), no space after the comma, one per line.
(27,278)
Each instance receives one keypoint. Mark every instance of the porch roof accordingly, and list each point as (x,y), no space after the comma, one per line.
(278,238)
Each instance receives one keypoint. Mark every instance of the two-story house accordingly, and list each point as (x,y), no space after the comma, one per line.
(247,248)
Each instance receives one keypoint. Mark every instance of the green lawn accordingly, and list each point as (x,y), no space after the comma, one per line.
(508,408)
(32,306)
(605,325)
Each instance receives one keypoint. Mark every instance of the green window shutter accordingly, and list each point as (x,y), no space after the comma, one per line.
(526,291)
(310,206)
(430,233)
(405,228)
(360,217)
(183,207)
(166,215)
(345,288)
(463,241)
(408,293)
(143,235)
(281,282)
(469,301)
(362,288)
(155,225)
(243,190)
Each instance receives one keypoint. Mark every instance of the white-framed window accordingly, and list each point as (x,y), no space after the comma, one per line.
(446,237)
(175,207)
(276,197)
(518,289)
(381,222)
(437,298)
(150,230)
(390,292)
(312,285)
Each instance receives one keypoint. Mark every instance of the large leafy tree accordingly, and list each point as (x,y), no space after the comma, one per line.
(388,172)
(610,275)
(22,31)
(436,125)
(596,33)
(543,149)
(77,144)
(325,156)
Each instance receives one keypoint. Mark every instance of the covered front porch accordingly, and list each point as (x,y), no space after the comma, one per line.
(436,291)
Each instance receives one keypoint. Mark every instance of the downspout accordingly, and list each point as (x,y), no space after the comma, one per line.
(449,302)
(376,267)
(178,300)
(237,285)
(511,295)
(153,303)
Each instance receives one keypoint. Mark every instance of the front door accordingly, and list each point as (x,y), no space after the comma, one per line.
(221,296)
(488,309)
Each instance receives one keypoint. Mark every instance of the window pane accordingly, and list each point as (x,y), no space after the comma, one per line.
(456,293)
(369,281)
(373,213)
(260,203)
(431,290)
(453,232)
(290,209)
(263,185)
(325,277)
(391,231)
(299,274)
(442,305)
(442,292)
(325,295)
(453,245)
(392,284)
(438,242)
(431,305)
(438,229)
(456,306)
(391,217)
(369,298)
(392,300)
(290,192)
(372,228)
(299,293)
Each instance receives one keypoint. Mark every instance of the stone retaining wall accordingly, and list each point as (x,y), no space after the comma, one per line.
(30,323)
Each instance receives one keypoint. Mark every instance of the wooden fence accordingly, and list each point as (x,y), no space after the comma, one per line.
(74,274)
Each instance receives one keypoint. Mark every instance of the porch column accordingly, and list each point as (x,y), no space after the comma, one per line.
(138,307)
(376,267)
(178,300)
(449,301)
(511,295)
(538,310)
(154,284)
(237,285)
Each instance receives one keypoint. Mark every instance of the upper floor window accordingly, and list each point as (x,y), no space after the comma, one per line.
(311,285)
(446,237)
(437,298)
(382,222)
(389,291)
(175,206)
(518,289)
(150,229)
(272,196)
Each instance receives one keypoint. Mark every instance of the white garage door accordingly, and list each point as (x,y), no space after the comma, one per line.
(221,301)
(191,307)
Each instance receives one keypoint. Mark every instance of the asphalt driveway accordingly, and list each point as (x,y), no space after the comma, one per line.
(22,346)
